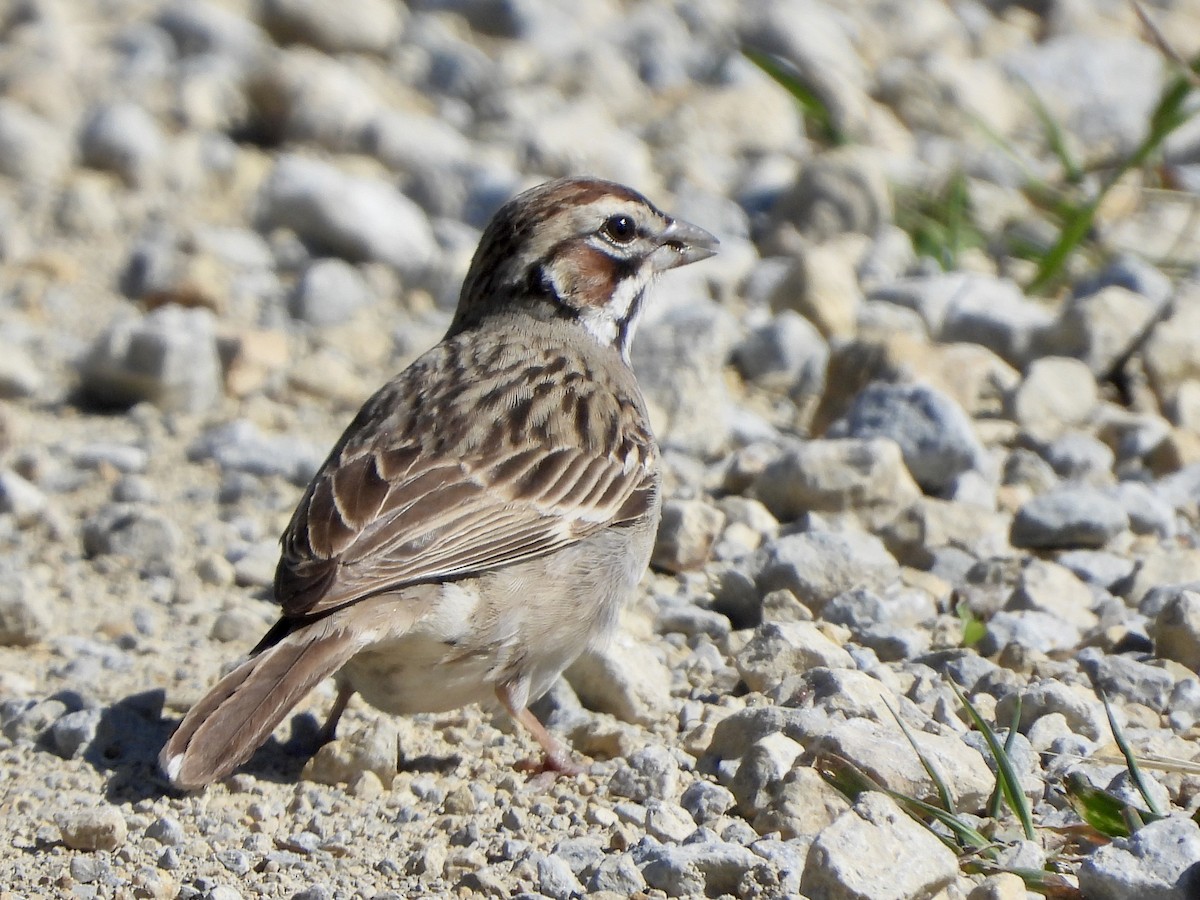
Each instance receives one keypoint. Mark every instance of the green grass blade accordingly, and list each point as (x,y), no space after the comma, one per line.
(792,81)
(1055,137)
(1135,771)
(973,628)
(1170,113)
(1133,819)
(1048,884)
(1074,230)
(1006,774)
(941,224)
(1098,808)
(853,782)
(1010,739)
(939,783)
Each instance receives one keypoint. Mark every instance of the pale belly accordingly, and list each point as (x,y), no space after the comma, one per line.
(519,627)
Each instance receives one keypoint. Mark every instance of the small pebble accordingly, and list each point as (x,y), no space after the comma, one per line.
(100,827)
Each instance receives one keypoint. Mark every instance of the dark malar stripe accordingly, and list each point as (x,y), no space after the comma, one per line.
(625,324)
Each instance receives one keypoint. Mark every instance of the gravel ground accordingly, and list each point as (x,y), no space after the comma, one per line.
(223,224)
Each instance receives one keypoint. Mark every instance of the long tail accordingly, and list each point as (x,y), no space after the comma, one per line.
(233,719)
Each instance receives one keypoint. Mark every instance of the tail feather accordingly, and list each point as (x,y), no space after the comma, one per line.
(233,719)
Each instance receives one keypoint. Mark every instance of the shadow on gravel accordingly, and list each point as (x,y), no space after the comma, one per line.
(131,732)
(128,737)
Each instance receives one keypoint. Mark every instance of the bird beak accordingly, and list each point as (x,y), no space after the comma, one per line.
(681,244)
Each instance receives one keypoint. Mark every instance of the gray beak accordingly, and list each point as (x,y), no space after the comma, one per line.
(681,244)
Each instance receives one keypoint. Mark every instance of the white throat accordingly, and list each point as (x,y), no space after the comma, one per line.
(614,323)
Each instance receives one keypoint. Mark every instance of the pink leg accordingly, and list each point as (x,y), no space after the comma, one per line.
(556,758)
(329,729)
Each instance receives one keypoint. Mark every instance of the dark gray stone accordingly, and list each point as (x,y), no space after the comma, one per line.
(935,436)
(168,357)
(147,538)
(786,353)
(1069,517)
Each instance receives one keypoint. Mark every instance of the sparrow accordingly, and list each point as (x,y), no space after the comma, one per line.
(487,513)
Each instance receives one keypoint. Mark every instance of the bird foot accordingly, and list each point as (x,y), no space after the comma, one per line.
(550,764)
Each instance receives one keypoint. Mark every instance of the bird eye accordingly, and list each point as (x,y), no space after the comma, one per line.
(620,228)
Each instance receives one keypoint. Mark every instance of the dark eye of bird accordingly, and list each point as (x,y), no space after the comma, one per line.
(620,228)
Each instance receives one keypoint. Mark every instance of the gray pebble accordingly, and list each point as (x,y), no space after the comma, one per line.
(780,649)
(366,26)
(1121,676)
(1130,272)
(686,534)
(1097,567)
(1053,589)
(89,869)
(254,566)
(1158,860)
(625,678)
(167,830)
(786,354)
(1066,518)
(1101,329)
(99,827)
(1080,457)
(1148,513)
(867,477)
(709,868)
(836,867)
(31,148)
(935,436)
(123,138)
(374,748)
(168,357)
(555,878)
(20,376)
(134,489)
(837,192)
(649,772)
(239,446)
(356,218)
(706,801)
(1184,704)
(71,734)
(236,861)
(24,619)
(1032,629)
(1177,628)
(995,313)
(761,769)
(329,292)
(21,499)
(618,874)
(202,27)
(1056,393)
(147,538)
(679,358)
(30,722)
(818,566)
(122,457)
(580,854)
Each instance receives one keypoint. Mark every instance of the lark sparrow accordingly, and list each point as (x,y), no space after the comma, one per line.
(487,513)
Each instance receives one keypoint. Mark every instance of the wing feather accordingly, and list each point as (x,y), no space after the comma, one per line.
(425,487)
